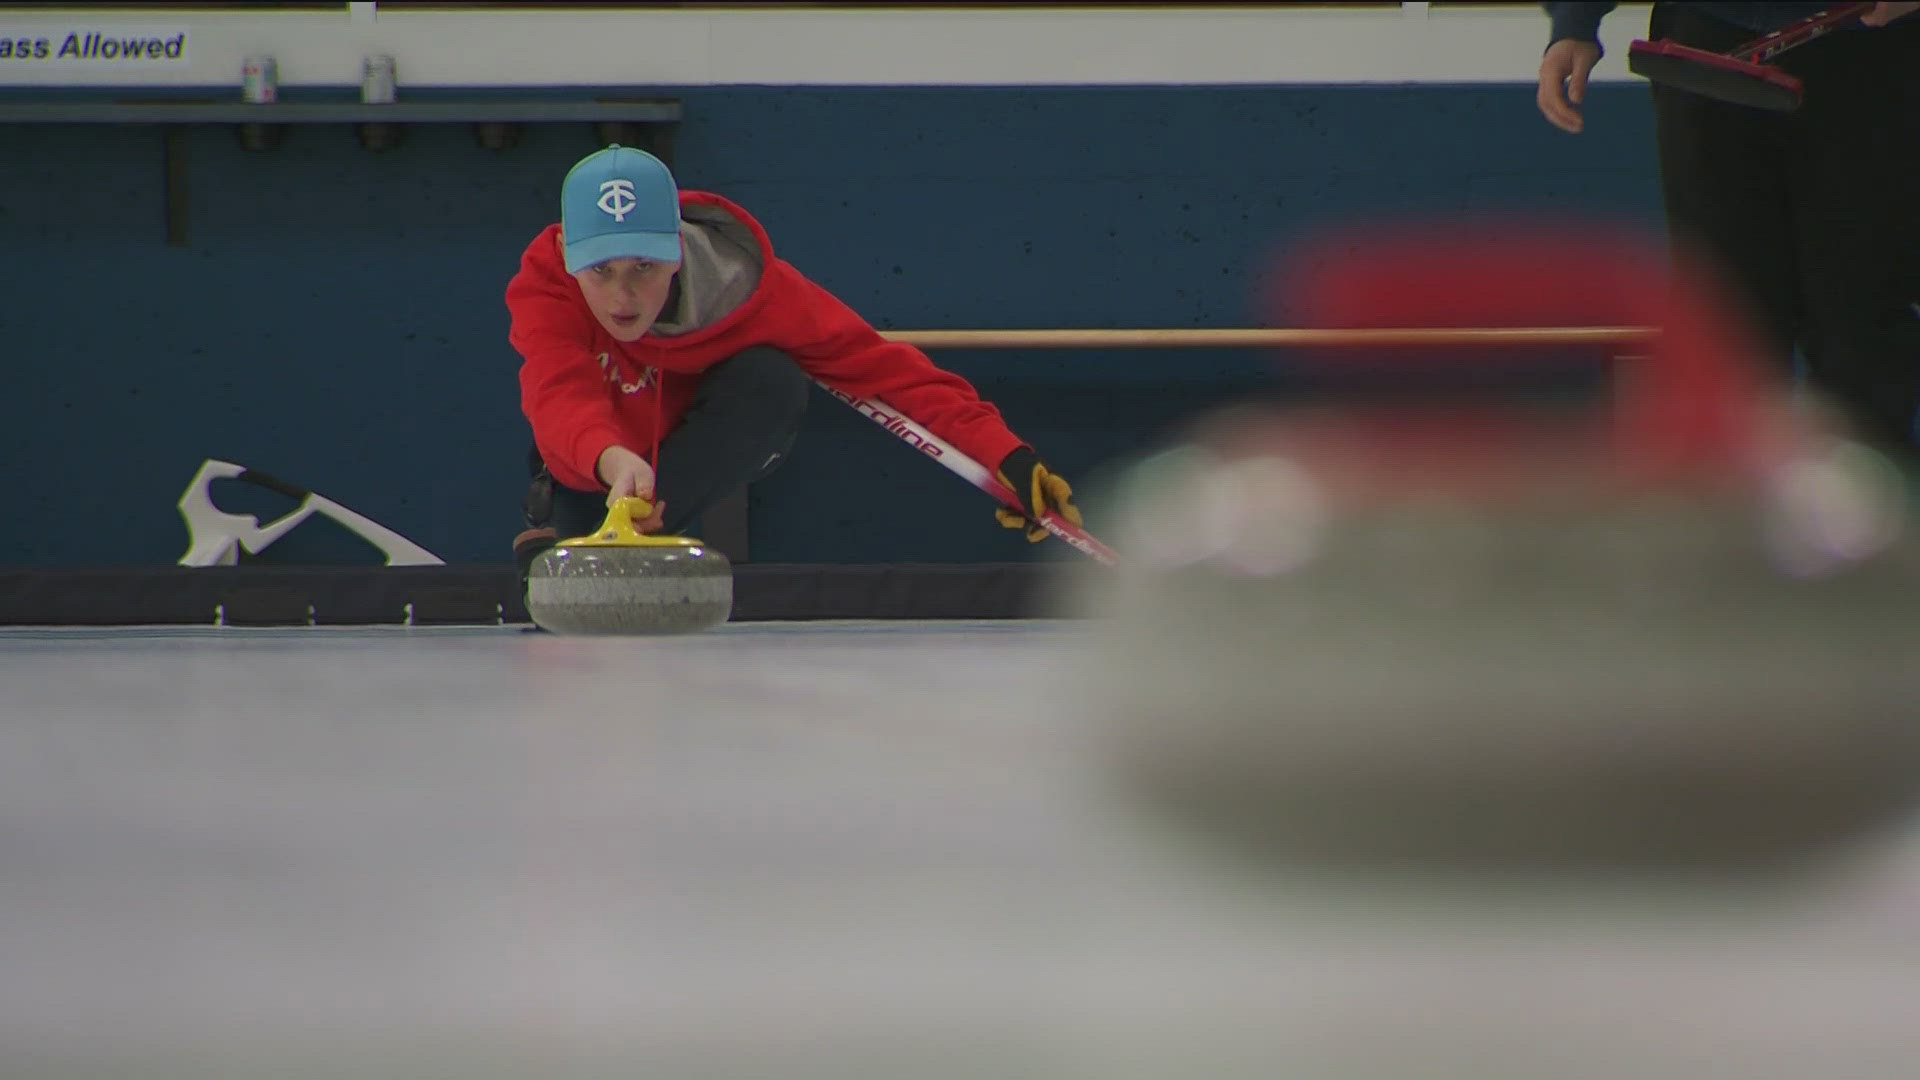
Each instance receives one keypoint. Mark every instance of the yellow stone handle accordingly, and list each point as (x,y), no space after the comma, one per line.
(618,530)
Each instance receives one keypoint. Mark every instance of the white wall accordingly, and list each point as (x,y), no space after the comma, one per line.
(1224,45)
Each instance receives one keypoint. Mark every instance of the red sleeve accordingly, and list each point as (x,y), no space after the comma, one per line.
(562,389)
(833,343)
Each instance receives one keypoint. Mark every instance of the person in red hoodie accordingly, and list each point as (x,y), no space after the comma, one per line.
(666,352)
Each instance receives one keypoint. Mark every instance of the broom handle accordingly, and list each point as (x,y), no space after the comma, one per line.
(1762,49)
(911,433)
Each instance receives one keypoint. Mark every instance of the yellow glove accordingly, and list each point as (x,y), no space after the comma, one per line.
(1038,490)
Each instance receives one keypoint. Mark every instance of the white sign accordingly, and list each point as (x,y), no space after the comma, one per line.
(81,46)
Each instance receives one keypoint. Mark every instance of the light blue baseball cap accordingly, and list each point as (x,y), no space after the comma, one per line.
(619,203)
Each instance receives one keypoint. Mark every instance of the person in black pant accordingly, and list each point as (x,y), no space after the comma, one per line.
(1810,216)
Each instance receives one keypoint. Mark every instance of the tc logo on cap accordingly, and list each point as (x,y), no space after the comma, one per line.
(616,198)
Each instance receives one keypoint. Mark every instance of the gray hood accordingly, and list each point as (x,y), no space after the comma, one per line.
(719,271)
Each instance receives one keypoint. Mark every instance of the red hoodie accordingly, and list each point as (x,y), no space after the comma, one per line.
(583,391)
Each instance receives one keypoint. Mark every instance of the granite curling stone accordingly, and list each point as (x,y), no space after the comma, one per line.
(1663,633)
(619,581)
(1632,683)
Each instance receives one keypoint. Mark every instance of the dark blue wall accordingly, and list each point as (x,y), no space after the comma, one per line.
(336,317)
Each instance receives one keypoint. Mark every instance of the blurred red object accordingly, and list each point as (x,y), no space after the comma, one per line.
(1694,397)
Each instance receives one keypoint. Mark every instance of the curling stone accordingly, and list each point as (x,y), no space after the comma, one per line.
(1677,634)
(619,581)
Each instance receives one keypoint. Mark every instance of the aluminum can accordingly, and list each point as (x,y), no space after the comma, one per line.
(260,80)
(377,80)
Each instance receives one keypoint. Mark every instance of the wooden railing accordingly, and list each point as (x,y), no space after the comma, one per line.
(1266,338)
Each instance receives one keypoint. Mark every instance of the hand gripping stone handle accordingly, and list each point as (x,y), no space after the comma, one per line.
(971,471)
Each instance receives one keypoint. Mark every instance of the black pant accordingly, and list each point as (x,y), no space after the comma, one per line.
(739,428)
(1812,216)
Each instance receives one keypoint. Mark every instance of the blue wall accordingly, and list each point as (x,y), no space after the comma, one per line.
(336,317)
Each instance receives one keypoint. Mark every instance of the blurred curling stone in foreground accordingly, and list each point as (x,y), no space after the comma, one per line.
(1673,629)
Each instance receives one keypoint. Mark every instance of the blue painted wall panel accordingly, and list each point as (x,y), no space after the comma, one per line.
(336,317)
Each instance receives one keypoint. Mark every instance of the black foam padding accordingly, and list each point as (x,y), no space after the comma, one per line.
(1712,75)
(362,599)
(104,597)
(265,604)
(788,591)
(454,604)
(263,595)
